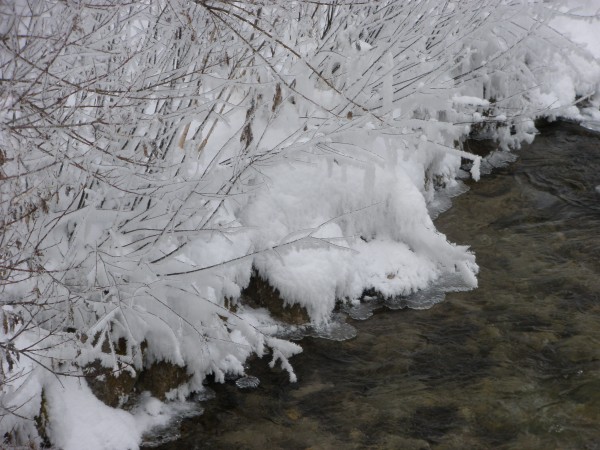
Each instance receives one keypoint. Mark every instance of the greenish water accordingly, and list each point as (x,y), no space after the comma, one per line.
(514,364)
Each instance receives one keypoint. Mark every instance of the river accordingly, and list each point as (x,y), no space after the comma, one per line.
(514,364)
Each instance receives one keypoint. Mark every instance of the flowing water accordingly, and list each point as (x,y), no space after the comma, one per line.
(514,364)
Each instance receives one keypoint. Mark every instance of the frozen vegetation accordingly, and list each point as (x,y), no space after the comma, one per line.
(156,156)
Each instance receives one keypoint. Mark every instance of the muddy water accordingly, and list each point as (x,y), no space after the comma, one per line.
(514,364)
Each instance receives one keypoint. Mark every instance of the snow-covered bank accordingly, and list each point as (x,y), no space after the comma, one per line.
(579,21)
(150,165)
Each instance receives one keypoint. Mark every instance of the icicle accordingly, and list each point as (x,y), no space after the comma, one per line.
(475,172)
(369,180)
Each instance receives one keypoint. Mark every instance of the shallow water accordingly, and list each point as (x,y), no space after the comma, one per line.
(514,364)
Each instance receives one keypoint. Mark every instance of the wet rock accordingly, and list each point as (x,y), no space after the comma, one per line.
(293,414)
(479,146)
(260,293)
(491,332)
(110,386)
(162,377)
(318,388)
(113,388)
(116,388)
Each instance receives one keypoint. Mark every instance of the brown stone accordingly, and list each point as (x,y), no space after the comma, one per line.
(160,378)
(113,388)
(261,294)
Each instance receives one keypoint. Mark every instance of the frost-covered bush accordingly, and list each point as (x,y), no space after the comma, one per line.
(154,154)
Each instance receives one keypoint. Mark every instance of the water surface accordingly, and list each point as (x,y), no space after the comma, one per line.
(514,364)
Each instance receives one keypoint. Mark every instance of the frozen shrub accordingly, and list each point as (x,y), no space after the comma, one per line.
(153,154)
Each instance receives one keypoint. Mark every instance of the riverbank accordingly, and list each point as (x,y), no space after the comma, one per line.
(512,364)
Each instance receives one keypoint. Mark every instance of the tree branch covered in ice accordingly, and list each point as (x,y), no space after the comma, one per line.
(154,154)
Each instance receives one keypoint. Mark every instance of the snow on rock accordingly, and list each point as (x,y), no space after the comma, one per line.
(316,167)
(79,420)
(353,237)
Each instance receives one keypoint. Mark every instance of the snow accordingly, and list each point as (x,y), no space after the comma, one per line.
(80,420)
(327,193)
(370,231)
(468,100)
(579,25)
